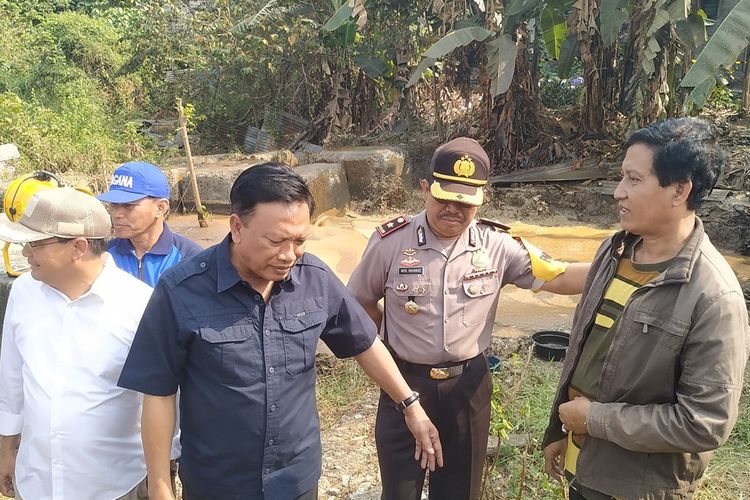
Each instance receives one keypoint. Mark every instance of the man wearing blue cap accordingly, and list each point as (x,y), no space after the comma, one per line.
(143,246)
(138,199)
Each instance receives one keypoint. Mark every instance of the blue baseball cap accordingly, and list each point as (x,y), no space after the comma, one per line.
(135,180)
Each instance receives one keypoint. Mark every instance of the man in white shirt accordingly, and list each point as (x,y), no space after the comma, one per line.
(67,331)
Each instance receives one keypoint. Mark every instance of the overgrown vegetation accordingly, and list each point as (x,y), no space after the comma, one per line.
(75,73)
(525,393)
(64,98)
(340,388)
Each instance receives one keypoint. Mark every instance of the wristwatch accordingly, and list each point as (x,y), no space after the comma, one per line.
(403,405)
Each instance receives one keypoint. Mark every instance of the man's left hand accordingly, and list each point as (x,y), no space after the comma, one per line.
(573,415)
(428,448)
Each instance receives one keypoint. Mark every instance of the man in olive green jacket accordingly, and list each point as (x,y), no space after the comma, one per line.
(652,379)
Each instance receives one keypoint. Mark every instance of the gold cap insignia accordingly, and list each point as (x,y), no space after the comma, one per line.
(464,166)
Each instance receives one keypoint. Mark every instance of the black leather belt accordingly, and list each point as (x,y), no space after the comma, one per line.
(439,371)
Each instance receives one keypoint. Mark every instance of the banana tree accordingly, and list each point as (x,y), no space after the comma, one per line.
(512,114)
(721,51)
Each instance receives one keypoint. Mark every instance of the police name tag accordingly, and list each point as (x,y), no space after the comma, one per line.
(410,270)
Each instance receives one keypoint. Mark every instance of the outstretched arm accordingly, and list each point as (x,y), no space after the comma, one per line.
(570,282)
(380,367)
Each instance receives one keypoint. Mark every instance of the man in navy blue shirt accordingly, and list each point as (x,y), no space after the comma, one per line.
(138,200)
(236,330)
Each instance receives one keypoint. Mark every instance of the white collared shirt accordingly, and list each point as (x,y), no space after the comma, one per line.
(59,365)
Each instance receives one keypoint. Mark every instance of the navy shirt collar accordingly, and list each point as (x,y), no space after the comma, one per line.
(162,246)
(227,276)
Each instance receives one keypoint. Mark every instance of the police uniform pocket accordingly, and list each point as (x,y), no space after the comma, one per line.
(410,296)
(226,350)
(479,298)
(301,329)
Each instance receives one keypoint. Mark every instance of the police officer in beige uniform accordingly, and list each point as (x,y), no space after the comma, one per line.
(440,275)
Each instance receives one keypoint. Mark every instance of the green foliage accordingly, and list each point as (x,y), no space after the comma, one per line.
(611,18)
(84,42)
(552,22)
(70,137)
(519,7)
(500,52)
(341,386)
(501,63)
(721,51)
(556,92)
(63,94)
(524,394)
(723,98)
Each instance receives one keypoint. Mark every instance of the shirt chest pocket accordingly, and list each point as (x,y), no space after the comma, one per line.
(658,330)
(479,297)
(227,350)
(301,328)
(410,296)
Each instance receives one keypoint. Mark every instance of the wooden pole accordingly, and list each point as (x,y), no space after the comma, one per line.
(746,89)
(193,181)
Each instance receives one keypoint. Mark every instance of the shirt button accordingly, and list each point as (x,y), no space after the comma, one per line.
(446,292)
(267,333)
(446,348)
(257,298)
(270,442)
(273,408)
(271,370)
(202,265)
(268,471)
(446,320)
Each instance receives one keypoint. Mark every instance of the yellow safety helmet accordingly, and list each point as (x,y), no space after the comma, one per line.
(16,198)
(23,188)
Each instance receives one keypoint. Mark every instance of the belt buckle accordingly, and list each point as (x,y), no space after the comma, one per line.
(439,373)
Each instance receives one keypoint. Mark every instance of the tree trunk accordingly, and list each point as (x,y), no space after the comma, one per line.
(438,108)
(646,97)
(656,89)
(632,75)
(514,120)
(592,56)
(609,75)
(673,108)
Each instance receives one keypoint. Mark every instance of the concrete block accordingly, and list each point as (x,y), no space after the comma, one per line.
(9,152)
(214,184)
(215,175)
(327,182)
(513,440)
(362,165)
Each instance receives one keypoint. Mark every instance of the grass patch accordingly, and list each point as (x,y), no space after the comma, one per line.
(522,398)
(341,386)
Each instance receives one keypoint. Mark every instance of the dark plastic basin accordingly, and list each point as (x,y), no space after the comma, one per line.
(550,345)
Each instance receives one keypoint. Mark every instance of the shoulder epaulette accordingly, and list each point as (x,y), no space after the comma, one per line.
(392,225)
(495,225)
(187,268)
